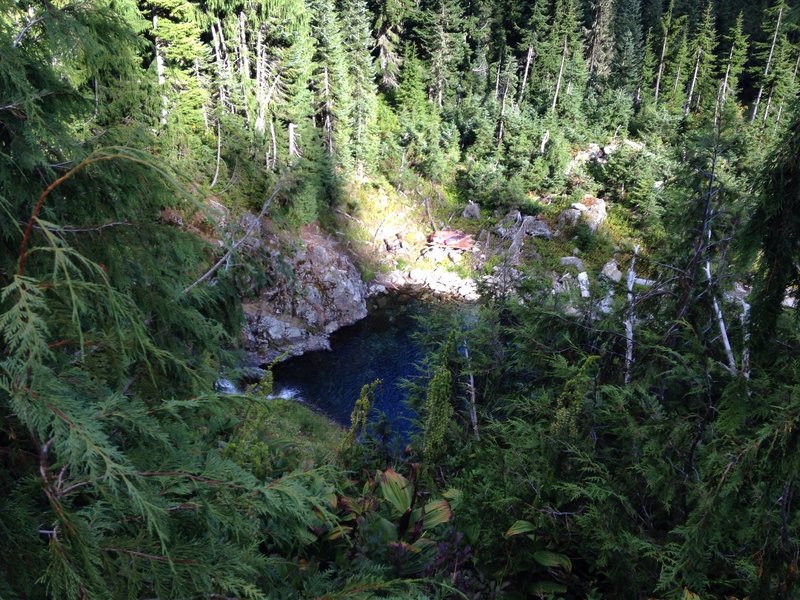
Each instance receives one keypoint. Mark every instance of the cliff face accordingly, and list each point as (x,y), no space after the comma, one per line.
(317,290)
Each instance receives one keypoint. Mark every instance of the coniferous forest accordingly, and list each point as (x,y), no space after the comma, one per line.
(631,434)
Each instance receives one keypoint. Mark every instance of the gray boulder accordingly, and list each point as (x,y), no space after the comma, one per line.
(540,229)
(573,261)
(592,210)
(569,218)
(611,271)
(472,211)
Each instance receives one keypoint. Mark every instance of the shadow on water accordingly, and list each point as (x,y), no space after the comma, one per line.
(381,346)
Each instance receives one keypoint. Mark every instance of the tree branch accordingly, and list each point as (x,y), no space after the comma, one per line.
(241,240)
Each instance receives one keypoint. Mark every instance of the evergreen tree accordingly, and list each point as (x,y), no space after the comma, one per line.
(419,118)
(772,231)
(734,66)
(601,41)
(565,62)
(677,71)
(443,40)
(628,44)
(358,43)
(534,45)
(389,18)
(113,478)
(702,93)
(333,88)
(773,25)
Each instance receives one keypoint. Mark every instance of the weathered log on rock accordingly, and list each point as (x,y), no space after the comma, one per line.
(451,238)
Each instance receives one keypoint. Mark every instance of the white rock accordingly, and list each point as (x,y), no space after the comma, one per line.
(583,281)
(611,271)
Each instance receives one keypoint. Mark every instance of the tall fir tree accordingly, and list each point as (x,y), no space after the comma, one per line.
(442,37)
(628,44)
(358,43)
(332,84)
(601,39)
(773,26)
(390,16)
(703,82)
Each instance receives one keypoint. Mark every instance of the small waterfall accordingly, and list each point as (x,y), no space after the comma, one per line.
(227,387)
(288,393)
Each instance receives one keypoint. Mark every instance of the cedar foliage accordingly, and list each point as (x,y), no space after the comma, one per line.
(123,475)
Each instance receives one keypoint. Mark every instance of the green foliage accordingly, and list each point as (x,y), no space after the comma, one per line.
(121,473)
(439,411)
(771,231)
(360,414)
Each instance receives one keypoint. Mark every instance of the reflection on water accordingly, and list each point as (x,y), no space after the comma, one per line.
(378,347)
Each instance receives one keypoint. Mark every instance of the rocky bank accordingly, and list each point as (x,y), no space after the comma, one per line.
(316,290)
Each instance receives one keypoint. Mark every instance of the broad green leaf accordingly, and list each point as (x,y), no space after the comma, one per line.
(337,532)
(436,513)
(548,587)
(396,490)
(454,496)
(520,527)
(553,559)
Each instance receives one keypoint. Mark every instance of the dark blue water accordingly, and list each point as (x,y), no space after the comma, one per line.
(381,346)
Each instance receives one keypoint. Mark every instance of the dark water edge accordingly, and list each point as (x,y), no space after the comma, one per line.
(380,346)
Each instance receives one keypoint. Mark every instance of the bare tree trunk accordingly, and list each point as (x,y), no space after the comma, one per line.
(746,340)
(688,106)
(219,154)
(497,81)
(768,106)
(503,107)
(473,410)
(220,56)
(528,62)
(328,122)
(630,318)
(294,150)
(274,143)
(162,81)
(661,64)
(723,330)
(545,139)
(244,67)
(256,224)
(260,82)
(726,80)
(560,76)
(718,106)
(677,79)
(769,64)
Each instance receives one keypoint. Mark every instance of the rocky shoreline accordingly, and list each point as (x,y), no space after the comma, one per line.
(319,290)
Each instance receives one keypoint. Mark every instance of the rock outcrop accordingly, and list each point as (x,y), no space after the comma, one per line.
(590,210)
(437,282)
(317,291)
